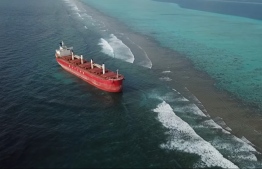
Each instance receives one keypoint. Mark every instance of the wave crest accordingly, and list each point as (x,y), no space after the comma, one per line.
(114,47)
(179,130)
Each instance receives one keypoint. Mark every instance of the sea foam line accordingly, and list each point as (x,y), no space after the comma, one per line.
(114,47)
(167,71)
(106,48)
(165,79)
(72,5)
(179,130)
(240,151)
(147,63)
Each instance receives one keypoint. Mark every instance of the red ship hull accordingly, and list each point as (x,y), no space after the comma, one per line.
(107,82)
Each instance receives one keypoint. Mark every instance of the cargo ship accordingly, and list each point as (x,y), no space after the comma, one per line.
(93,73)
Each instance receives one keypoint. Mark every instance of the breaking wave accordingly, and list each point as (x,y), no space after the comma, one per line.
(106,48)
(189,127)
(180,131)
(146,61)
(114,47)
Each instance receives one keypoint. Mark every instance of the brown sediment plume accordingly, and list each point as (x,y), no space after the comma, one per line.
(240,117)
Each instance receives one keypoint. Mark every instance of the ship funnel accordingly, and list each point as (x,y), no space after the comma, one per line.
(117,73)
(104,69)
(81,59)
(72,56)
(92,64)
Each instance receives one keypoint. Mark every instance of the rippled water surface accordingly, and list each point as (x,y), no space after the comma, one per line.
(50,118)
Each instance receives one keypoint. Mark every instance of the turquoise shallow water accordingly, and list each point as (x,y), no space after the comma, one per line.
(227,47)
(52,119)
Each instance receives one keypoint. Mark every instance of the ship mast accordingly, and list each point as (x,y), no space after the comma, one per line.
(103,67)
(92,64)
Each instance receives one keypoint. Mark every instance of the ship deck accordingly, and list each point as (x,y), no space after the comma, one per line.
(86,66)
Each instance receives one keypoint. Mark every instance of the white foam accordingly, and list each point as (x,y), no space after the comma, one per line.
(211,124)
(167,71)
(258,132)
(165,79)
(245,147)
(88,16)
(72,5)
(86,27)
(106,48)
(228,128)
(120,50)
(146,62)
(176,91)
(184,138)
(190,108)
(75,8)
(219,121)
(238,150)
(246,140)
(170,97)
(182,99)
(194,97)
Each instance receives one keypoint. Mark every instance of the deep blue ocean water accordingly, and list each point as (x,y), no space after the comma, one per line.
(50,118)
